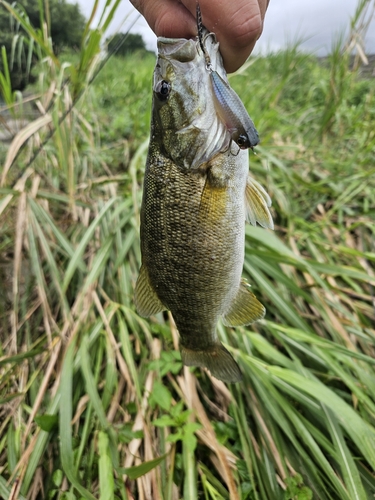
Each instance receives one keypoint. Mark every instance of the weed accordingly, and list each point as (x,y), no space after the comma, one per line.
(94,399)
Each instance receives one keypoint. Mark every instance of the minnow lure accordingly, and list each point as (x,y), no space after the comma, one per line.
(228,105)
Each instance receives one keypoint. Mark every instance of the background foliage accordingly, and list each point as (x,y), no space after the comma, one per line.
(63,21)
(126,43)
(94,401)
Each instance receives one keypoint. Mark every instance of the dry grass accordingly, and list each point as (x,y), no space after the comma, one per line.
(94,399)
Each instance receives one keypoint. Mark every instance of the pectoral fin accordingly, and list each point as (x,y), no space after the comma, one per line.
(257,204)
(244,309)
(146,301)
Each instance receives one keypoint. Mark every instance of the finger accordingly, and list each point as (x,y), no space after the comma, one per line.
(168,18)
(263,6)
(237,26)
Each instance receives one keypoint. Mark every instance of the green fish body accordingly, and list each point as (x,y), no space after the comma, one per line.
(197,195)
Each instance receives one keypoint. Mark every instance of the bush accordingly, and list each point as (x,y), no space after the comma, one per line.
(123,44)
(65,23)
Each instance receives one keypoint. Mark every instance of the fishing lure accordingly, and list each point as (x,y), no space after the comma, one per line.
(228,104)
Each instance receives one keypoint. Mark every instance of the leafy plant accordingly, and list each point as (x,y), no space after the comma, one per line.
(123,44)
(26,22)
(9,96)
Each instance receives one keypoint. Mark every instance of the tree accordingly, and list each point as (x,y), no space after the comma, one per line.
(126,43)
(66,24)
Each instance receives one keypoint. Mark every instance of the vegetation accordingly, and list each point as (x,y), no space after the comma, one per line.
(65,26)
(94,401)
(123,44)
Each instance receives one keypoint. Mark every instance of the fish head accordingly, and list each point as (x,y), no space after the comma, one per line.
(185,123)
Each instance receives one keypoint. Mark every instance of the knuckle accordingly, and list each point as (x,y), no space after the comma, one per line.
(247,30)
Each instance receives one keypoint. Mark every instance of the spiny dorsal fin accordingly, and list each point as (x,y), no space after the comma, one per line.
(244,309)
(146,301)
(257,204)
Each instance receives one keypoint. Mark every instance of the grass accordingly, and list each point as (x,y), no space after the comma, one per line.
(94,401)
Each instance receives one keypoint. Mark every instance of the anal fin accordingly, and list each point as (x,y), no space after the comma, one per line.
(146,301)
(244,309)
(257,204)
(216,359)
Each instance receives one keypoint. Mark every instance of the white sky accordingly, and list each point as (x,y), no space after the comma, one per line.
(316,22)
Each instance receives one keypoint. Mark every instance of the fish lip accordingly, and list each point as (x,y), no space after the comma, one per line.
(170,41)
(180,49)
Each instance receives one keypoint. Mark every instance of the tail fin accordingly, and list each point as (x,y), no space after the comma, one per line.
(217,359)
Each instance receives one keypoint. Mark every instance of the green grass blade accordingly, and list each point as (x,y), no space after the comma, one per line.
(5,490)
(362,433)
(90,383)
(106,479)
(66,413)
(349,470)
(76,259)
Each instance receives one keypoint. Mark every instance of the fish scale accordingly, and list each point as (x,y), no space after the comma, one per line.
(191,245)
(193,211)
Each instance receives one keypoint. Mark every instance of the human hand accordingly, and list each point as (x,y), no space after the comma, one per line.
(237,23)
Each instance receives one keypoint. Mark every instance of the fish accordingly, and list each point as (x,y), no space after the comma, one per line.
(197,194)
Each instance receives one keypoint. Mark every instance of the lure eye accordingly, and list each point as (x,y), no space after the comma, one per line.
(243,141)
(163,89)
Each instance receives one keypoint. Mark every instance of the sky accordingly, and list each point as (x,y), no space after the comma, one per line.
(315,23)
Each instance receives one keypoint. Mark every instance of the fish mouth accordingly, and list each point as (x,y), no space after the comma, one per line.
(180,49)
(170,41)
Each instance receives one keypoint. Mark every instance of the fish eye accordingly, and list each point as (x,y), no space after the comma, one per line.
(242,141)
(163,89)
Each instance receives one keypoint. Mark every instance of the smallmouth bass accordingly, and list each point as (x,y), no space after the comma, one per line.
(197,195)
